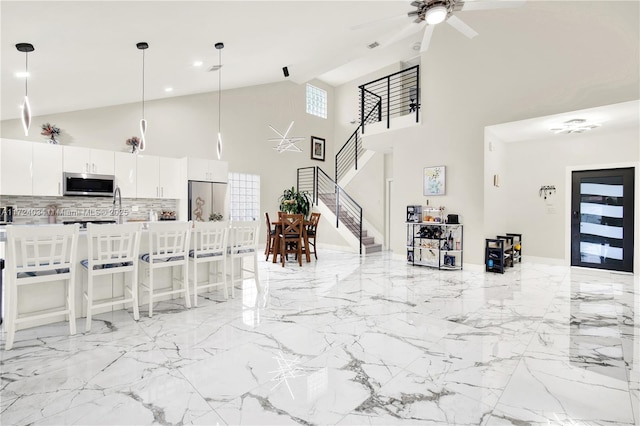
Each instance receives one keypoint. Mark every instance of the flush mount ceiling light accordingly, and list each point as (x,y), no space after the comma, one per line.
(26,108)
(576,125)
(219,46)
(436,13)
(143,122)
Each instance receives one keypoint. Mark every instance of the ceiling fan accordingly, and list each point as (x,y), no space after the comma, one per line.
(429,13)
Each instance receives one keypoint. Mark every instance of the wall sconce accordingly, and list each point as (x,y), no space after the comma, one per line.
(546,190)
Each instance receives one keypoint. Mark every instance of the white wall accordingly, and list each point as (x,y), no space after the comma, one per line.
(498,207)
(550,59)
(532,164)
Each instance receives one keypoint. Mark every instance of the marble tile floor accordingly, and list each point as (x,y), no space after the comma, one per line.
(348,341)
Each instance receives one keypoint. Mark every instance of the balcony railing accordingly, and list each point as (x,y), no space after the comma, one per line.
(395,95)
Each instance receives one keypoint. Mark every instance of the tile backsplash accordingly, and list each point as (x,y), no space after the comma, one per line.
(35,210)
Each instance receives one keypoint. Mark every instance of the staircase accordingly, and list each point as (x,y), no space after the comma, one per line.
(394,96)
(368,243)
(332,200)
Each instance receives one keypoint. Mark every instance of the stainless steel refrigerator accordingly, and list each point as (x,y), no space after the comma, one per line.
(207,199)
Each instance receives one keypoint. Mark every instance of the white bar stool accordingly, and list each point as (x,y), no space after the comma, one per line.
(39,254)
(209,246)
(244,243)
(168,247)
(112,249)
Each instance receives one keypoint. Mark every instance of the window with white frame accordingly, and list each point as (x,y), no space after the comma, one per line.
(316,101)
(245,196)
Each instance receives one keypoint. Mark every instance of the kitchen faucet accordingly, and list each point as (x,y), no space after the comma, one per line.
(116,192)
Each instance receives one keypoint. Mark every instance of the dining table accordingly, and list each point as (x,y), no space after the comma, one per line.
(278,224)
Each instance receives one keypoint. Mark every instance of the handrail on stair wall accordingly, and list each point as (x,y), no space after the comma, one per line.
(322,188)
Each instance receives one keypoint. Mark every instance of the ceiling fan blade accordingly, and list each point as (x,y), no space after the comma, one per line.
(417,3)
(485,5)
(457,23)
(409,29)
(426,38)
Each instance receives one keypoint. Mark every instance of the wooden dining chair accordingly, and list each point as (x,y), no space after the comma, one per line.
(312,231)
(271,237)
(291,233)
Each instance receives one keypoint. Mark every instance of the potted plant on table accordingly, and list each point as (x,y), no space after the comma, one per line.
(294,202)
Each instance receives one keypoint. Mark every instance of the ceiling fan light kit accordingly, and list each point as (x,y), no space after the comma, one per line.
(436,13)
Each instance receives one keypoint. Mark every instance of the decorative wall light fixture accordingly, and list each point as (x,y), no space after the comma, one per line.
(26,108)
(219,46)
(143,122)
(546,190)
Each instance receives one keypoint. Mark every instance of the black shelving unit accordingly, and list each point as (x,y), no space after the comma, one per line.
(435,244)
(502,252)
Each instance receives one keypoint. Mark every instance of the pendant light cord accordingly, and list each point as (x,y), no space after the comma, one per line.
(219,89)
(26,73)
(143,83)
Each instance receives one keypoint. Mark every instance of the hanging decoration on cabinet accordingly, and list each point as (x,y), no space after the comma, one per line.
(546,190)
(434,180)
(50,131)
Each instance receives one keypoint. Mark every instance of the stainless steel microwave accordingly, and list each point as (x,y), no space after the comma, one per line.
(88,184)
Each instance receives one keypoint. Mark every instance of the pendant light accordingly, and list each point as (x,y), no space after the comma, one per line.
(219,46)
(26,108)
(143,122)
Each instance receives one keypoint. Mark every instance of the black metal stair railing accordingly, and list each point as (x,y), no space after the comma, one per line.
(321,187)
(352,149)
(391,96)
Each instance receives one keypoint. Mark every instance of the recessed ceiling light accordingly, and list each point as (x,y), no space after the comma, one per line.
(198,63)
(168,89)
(22,74)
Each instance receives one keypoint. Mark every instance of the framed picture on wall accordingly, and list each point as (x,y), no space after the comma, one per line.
(433,180)
(317,148)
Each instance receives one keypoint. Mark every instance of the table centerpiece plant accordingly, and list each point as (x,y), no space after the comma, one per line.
(295,202)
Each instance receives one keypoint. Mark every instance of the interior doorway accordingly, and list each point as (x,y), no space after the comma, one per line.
(602,215)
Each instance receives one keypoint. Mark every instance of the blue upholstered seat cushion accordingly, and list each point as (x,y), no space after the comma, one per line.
(42,273)
(145,258)
(85,263)
(236,251)
(201,255)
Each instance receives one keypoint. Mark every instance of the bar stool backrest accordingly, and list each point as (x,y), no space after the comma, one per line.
(112,244)
(36,249)
(168,240)
(210,238)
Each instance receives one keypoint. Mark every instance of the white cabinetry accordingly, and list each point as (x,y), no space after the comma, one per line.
(207,170)
(169,178)
(86,160)
(148,171)
(125,171)
(16,167)
(47,170)
(159,177)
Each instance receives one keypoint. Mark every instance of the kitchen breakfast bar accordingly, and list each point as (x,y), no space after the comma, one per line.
(116,266)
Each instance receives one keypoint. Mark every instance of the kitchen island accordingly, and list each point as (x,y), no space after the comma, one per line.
(37,297)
